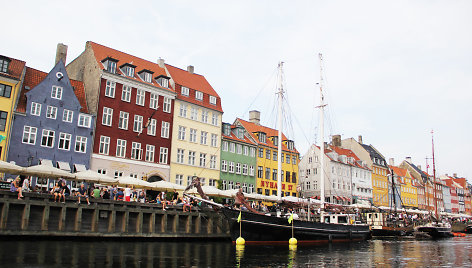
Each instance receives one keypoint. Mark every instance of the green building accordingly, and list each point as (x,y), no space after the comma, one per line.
(238,159)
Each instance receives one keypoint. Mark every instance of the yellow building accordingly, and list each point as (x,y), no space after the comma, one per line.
(267,163)
(407,189)
(380,185)
(196,133)
(11,75)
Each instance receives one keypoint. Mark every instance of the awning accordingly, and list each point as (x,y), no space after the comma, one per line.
(79,167)
(46,162)
(63,165)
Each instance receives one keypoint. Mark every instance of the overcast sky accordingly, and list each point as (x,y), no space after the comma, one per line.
(393,70)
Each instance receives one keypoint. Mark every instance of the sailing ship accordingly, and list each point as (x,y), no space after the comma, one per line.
(258,228)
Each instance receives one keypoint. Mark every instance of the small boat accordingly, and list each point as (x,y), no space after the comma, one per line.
(435,230)
(382,225)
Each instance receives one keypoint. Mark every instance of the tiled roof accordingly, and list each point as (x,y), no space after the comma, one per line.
(232,136)
(399,171)
(345,152)
(196,82)
(252,128)
(33,77)
(15,68)
(102,52)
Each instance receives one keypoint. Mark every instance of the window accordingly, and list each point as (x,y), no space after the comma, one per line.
(118,174)
(3,120)
(180,156)
(179,179)
(191,158)
(151,128)
(267,154)
(146,76)
(287,158)
(224,165)
(154,101)
(214,140)
(232,147)
(199,95)
(246,150)
(194,113)
(64,141)
(56,92)
(214,119)
(184,91)
(193,135)
(261,152)
(104,145)
(202,159)
(244,169)
(107,116)
(102,171)
(181,133)
(231,167)
(150,149)
(164,82)
(189,179)
(84,120)
(274,155)
(239,149)
(47,139)
(230,185)
(213,161)
(51,112)
(167,105)
(203,137)
(294,159)
(238,168)
(120,148)
(29,134)
(163,155)
(35,108)
(110,89)
(205,116)
(225,146)
(80,144)
(282,157)
(4,65)
(138,123)
(183,110)
(110,65)
(129,71)
(251,170)
(5,90)
(267,174)
(274,174)
(123,121)
(126,94)
(67,115)
(260,172)
(136,150)
(252,152)
(294,177)
(140,97)
(165,129)
(213,100)
(262,137)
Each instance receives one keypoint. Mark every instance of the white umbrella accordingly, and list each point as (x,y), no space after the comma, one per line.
(291,199)
(92,176)
(10,168)
(230,193)
(123,181)
(47,171)
(210,191)
(165,185)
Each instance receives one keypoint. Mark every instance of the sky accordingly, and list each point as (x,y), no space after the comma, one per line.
(392,70)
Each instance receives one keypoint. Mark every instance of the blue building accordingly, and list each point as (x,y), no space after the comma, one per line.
(51,123)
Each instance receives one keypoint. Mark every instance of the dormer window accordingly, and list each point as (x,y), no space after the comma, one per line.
(239,133)
(185,91)
(4,62)
(110,64)
(199,95)
(163,81)
(262,137)
(275,140)
(146,75)
(213,100)
(227,129)
(128,69)
(290,145)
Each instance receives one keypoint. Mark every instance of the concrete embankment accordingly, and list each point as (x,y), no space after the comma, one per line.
(37,216)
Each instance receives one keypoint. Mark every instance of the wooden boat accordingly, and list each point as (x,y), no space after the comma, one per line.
(383,226)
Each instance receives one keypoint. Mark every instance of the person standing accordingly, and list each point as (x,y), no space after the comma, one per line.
(26,185)
(127,193)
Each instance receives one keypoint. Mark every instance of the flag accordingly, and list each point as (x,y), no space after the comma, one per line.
(290,219)
(239,217)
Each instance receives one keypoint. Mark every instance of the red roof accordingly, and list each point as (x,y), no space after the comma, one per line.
(33,77)
(102,52)
(196,82)
(15,68)
(399,171)
(232,136)
(346,152)
(270,132)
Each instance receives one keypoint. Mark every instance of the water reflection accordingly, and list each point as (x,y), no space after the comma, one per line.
(454,252)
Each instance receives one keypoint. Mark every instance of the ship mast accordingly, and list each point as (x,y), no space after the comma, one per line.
(434,177)
(322,147)
(279,139)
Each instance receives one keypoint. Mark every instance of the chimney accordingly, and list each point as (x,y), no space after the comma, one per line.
(408,159)
(391,162)
(360,139)
(454,175)
(190,69)
(161,62)
(336,140)
(255,117)
(61,53)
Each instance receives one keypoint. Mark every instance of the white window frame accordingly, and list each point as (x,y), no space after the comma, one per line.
(193,135)
(154,101)
(30,134)
(107,116)
(181,133)
(56,92)
(167,105)
(214,119)
(179,178)
(203,137)
(203,159)
(140,97)
(121,148)
(194,113)
(213,100)
(151,128)
(67,116)
(213,161)
(35,109)
(80,144)
(185,91)
(136,151)
(65,139)
(180,156)
(51,112)
(138,123)
(251,170)
(238,168)
(245,169)
(204,116)
(150,152)
(165,129)
(163,155)
(191,158)
(126,93)
(224,165)
(183,110)
(110,89)
(214,140)
(104,146)
(224,146)
(46,133)
(123,120)
(84,120)
(198,95)
(230,167)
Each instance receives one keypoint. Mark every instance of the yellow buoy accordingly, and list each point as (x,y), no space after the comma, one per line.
(292,241)
(292,247)
(240,241)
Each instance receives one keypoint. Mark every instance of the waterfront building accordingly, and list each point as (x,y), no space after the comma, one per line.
(447,197)
(133,101)
(51,124)
(405,185)
(196,137)
(376,162)
(463,193)
(267,152)
(238,159)
(11,75)
(420,180)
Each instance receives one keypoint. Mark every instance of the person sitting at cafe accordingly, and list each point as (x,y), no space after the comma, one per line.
(16,187)
(65,191)
(83,193)
(57,191)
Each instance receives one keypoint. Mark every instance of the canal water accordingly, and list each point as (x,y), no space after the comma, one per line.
(452,252)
